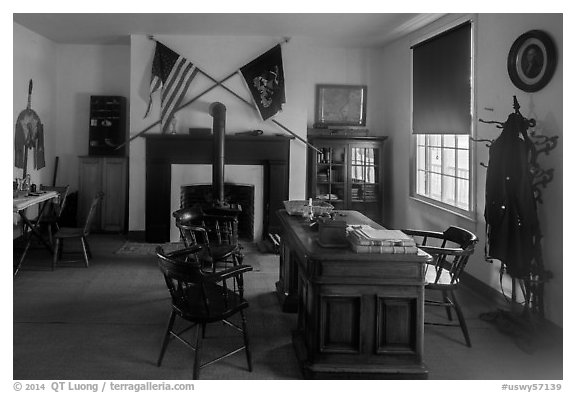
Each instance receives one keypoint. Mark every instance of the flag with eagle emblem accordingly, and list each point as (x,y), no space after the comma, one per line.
(265,79)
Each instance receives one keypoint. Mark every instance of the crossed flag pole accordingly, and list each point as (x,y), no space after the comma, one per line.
(216,84)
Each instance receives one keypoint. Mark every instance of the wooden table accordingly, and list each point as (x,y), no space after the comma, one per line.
(19,206)
(359,315)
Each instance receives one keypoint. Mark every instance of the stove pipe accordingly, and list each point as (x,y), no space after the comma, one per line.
(218,112)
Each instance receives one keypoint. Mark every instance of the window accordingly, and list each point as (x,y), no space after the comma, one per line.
(441,118)
(443,169)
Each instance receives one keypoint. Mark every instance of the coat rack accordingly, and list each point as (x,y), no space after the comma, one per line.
(532,286)
(540,144)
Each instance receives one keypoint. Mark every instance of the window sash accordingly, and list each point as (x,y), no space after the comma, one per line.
(435,179)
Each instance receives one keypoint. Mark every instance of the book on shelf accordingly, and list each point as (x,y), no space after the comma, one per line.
(384,249)
(365,235)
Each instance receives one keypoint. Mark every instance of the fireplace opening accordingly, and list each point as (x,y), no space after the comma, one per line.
(201,195)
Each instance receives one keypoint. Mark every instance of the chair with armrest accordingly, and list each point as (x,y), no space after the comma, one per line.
(80,233)
(450,251)
(218,233)
(200,297)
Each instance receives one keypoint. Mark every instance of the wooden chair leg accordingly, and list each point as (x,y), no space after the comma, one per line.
(461,319)
(196,374)
(448,307)
(246,341)
(56,253)
(88,252)
(50,236)
(166,337)
(84,249)
(23,256)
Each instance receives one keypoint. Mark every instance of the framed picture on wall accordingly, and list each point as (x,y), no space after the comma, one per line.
(532,61)
(340,105)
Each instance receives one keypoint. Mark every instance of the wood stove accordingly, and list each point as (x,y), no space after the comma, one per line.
(272,152)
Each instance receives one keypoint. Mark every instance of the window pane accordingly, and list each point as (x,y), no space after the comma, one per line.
(449,141)
(463,163)
(463,199)
(448,189)
(463,141)
(435,159)
(421,183)
(435,186)
(420,139)
(420,158)
(435,140)
(449,162)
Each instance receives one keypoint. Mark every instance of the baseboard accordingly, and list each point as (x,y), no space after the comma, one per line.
(136,236)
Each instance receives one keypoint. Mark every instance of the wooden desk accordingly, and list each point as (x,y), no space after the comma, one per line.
(19,205)
(359,315)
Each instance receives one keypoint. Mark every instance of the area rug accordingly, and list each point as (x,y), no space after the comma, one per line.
(135,248)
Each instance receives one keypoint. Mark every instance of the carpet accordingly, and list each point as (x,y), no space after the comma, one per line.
(130,248)
(135,248)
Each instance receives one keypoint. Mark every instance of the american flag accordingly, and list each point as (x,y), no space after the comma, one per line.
(173,74)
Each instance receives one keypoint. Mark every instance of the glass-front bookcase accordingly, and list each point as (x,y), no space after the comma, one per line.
(347,173)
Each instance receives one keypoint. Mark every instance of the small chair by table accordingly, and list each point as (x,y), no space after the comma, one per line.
(54,210)
(80,233)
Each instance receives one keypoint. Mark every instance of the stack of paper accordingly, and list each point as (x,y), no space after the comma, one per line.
(366,239)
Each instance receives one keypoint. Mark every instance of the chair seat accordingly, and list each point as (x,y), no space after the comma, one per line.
(69,233)
(218,307)
(222,252)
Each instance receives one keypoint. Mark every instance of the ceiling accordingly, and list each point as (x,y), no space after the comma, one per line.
(362,30)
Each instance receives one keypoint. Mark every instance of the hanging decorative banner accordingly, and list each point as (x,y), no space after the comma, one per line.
(29,135)
(265,79)
(172,74)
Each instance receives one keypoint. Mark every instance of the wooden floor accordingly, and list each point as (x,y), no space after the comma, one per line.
(106,322)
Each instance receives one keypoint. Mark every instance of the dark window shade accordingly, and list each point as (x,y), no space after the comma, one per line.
(441,83)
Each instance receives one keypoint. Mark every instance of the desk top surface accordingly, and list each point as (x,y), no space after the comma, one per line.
(31,200)
(308,238)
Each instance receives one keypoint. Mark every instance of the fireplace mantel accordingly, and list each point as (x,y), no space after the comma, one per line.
(272,152)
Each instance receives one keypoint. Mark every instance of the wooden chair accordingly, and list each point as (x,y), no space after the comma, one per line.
(53,212)
(450,250)
(200,298)
(218,233)
(77,233)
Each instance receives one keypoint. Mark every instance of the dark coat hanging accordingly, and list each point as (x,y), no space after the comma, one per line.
(510,212)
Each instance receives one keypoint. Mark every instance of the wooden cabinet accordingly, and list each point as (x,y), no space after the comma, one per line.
(347,173)
(107,174)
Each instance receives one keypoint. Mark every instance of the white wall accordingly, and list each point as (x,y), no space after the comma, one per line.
(35,58)
(82,71)
(304,66)
(495,35)
(64,78)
